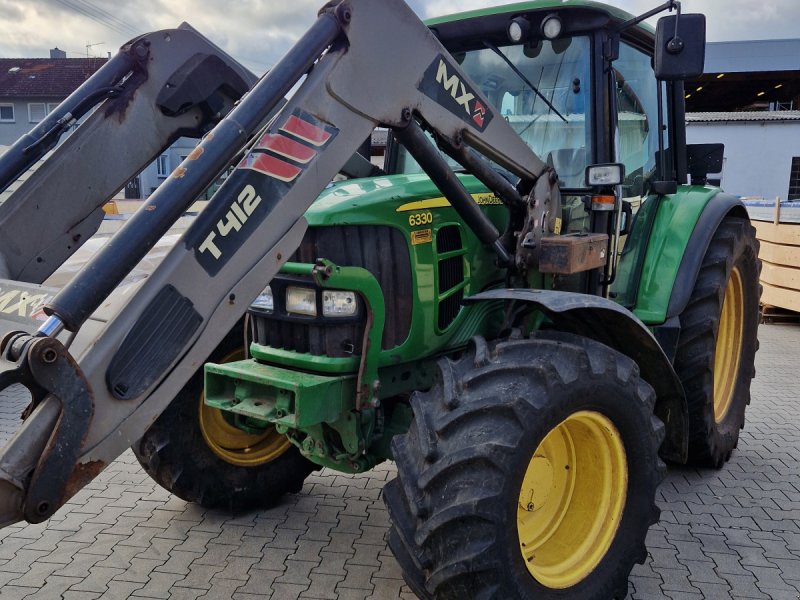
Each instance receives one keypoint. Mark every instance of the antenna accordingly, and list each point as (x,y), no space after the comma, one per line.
(89,45)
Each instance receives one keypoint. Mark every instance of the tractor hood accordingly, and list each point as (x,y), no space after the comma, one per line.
(360,201)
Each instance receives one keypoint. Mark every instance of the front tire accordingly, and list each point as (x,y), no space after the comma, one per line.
(718,341)
(529,471)
(192,451)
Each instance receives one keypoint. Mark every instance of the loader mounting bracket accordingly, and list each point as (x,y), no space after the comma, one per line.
(43,365)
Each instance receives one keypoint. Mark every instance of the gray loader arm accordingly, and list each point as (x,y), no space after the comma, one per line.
(159,87)
(140,349)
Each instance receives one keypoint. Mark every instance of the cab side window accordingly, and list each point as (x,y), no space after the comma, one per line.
(637,109)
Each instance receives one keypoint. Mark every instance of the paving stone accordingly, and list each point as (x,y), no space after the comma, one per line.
(159,549)
(703,572)
(297,572)
(222,588)
(743,586)
(676,580)
(332,563)
(140,571)
(120,590)
(195,541)
(178,562)
(357,577)
(104,544)
(323,587)
(36,575)
(179,593)
(690,552)
(121,557)
(64,552)
(769,579)
(237,567)
(385,588)
(22,560)
(48,540)
(72,595)
(139,535)
(215,554)
(98,579)
(287,591)
(274,559)
(158,586)
(713,591)
(260,582)
(13,592)
(199,577)
(80,565)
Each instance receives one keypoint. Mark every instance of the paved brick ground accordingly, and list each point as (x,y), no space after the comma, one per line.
(730,533)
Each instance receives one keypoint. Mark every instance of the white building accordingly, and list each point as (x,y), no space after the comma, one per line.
(762,150)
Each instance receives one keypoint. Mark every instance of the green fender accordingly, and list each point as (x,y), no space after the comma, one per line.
(669,239)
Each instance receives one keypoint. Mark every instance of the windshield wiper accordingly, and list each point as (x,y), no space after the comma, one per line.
(521,75)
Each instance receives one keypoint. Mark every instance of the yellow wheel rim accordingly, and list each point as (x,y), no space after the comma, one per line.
(572,499)
(729,345)
(233,445)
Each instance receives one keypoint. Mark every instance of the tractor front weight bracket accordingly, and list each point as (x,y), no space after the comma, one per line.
(327,275)
(291,400)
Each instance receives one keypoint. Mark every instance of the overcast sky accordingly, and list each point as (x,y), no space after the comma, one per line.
(258,32)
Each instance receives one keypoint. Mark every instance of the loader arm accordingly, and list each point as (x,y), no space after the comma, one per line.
(141,348)
(159,87)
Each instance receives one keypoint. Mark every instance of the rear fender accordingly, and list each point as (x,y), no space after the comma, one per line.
(680,236)
(609,323)
(716,210)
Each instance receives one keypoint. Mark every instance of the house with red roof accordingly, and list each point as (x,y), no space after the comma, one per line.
(31,87)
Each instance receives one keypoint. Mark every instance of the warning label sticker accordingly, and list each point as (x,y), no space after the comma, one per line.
(421,236)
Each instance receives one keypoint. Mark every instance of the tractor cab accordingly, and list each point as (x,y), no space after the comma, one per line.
(578,83)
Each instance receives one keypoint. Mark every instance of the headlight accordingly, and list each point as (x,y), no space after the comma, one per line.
(338,304)
(301,301)
(265,301)
(605,175)
(551,27)
(519,29)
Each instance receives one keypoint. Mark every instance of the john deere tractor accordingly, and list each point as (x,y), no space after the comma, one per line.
(533,302)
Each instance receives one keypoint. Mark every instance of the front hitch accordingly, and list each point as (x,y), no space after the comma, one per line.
(37,465)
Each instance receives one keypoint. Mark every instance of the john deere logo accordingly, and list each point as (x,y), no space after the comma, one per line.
(443,84)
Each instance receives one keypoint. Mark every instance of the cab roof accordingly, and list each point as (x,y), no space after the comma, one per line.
(616,14)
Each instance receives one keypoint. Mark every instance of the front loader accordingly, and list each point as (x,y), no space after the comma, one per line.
(527,310)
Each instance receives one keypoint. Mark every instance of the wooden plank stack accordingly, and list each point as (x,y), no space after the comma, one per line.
(780,257)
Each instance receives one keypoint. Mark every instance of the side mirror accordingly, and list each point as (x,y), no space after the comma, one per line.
(680,47)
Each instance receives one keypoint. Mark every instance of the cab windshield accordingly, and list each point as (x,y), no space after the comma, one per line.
(549,106)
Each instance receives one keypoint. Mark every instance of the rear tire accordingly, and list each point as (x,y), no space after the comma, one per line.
(482,508)
(718,341)
(193,453)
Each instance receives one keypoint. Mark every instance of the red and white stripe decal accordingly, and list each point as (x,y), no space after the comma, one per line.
(306,131)
(280,144)
(269,165)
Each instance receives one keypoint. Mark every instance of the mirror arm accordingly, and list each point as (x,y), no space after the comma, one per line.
(670,5)
(675,45)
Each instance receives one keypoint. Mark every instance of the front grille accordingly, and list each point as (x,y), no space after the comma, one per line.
(451,274)
(449,309)
(326,340)
(448,239)
(383,251)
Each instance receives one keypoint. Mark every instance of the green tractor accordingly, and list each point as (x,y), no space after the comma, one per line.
(527,402)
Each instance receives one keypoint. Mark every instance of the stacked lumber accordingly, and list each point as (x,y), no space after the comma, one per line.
(780,257)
